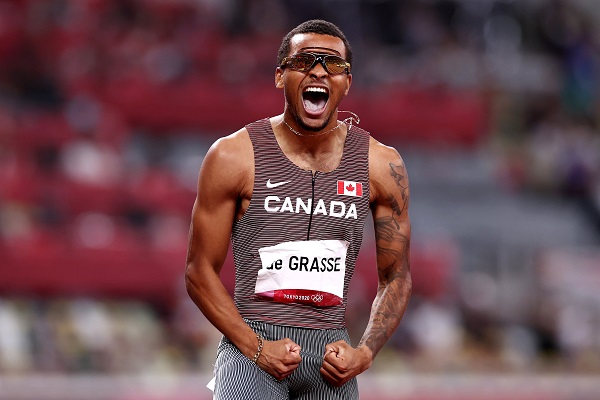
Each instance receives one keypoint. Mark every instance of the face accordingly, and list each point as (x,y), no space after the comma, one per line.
(312,97)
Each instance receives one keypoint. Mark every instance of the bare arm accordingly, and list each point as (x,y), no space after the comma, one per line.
(389,203)
(224,187)
(392,235)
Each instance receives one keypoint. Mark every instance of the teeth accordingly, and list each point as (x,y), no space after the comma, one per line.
(315,90)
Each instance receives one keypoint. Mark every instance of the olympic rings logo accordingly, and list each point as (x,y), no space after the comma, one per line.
(317,298)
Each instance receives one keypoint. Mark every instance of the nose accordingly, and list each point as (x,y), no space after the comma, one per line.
(318,70)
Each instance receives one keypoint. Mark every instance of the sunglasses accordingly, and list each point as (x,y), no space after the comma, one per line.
(304,62)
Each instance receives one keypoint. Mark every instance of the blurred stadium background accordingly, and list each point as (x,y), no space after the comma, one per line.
(108,106)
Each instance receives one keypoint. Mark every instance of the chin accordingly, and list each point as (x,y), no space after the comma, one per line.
(315,125)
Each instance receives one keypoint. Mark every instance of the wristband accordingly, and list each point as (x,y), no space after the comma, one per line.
(260,347)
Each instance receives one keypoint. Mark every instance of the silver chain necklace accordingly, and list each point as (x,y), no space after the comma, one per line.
(348,121)
(317,134)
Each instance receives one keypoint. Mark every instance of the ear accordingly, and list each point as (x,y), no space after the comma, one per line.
(348,84)
(279,78)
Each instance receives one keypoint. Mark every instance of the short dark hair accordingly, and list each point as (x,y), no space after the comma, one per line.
(317,26)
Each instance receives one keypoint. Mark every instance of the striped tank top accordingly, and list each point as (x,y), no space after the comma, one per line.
(290,204)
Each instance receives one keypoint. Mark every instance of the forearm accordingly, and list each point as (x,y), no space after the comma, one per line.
(342,362)
(386,313)
(214,301)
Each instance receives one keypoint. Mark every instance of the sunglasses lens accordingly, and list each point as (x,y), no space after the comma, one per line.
(335,65)
(301,62)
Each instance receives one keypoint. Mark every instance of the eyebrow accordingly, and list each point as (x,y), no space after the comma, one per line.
(320,48)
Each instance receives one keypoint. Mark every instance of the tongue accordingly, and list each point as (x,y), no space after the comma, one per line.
(314,106)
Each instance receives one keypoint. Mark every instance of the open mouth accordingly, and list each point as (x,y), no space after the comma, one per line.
(315,99)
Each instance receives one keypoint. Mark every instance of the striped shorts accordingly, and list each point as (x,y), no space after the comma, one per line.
(236,377)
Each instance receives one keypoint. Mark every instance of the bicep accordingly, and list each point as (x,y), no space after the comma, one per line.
(209,234)
(213,212)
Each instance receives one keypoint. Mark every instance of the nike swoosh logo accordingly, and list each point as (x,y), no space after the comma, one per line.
(274,185)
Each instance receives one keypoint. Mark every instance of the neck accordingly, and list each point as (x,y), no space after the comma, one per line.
(294,125)
(326,143)
(324,132)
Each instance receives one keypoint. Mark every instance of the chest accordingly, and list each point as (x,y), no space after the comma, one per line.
(322,161)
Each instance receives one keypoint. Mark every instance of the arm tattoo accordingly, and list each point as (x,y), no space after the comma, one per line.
(399,174)
(396,210)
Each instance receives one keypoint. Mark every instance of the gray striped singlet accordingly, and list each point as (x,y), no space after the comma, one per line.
(277,213)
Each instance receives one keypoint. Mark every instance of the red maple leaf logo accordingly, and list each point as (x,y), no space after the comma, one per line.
(350,188)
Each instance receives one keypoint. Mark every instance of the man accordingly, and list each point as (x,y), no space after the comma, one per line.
(292,193)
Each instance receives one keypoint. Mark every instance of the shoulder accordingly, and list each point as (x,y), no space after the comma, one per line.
(233,148)
(382,157)
(386,168)
(229,160)
(380,150)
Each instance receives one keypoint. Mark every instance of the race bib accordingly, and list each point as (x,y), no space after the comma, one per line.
(310,272)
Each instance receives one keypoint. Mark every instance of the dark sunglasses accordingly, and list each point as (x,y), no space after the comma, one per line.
(304,62)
